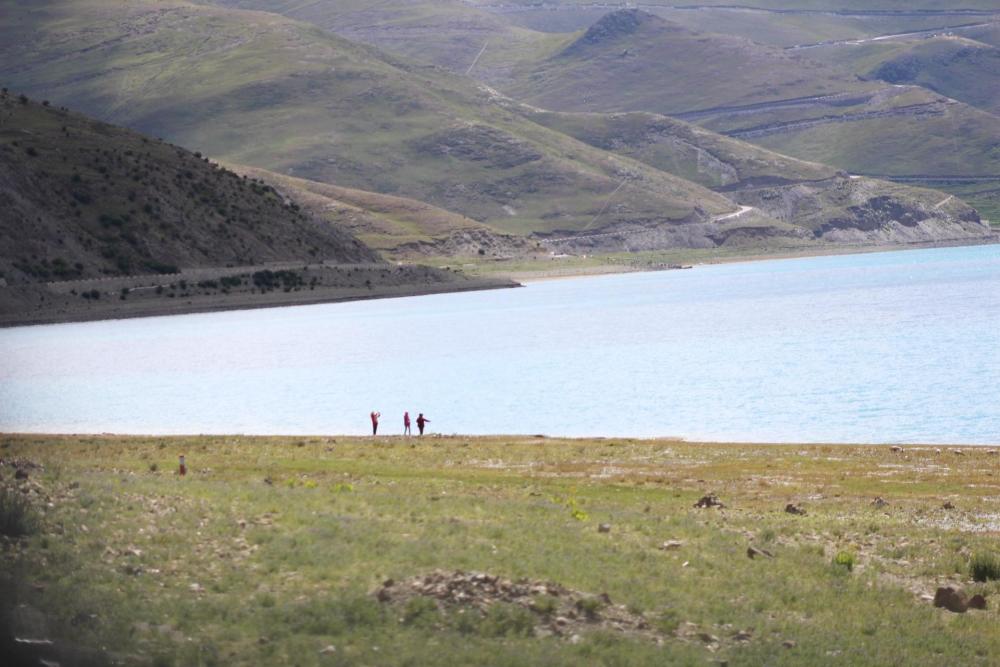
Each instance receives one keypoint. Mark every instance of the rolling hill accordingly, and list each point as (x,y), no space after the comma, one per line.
(828,204)
(83,199)
(261,90)
(631,60)
(957,67)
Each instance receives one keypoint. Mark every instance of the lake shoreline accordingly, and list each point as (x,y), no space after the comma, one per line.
(561,273)
(117,310)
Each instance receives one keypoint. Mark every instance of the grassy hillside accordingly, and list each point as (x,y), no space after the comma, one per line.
(826,202)
(351,551)
(961,68)
(83,199)
(632,60)
(329,110)
(449,33)
(396,226)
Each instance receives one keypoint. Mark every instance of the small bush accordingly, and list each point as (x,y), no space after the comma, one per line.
(844,559)
(17,517)
(984,567)
(508,620)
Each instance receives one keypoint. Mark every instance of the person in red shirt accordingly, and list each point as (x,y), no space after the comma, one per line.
(406,423)
(421,420)
(375,416)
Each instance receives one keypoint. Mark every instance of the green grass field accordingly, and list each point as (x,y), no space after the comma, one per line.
(269,550)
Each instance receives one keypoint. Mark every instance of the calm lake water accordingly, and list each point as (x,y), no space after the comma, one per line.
(887,347)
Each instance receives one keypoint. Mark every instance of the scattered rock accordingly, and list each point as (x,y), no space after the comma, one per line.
(753,552)
(671,545)
(951,599)
(604,528)
(792,508)
(880,502)
(565,612)
(709,501)
(977,601)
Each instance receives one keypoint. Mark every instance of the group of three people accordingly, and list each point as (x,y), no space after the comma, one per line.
(421,420)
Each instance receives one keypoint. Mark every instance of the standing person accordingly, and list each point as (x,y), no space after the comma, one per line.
(375,416)
(421,420)
(406,423)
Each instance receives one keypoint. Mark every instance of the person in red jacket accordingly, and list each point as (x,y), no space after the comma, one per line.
(406,423)
(421,420)
(375,416)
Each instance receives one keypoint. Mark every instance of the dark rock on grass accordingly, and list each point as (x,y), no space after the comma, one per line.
(710,500)
(953,599)
(792,508)
(753,552)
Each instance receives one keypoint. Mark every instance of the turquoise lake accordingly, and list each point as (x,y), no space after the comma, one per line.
(880,347)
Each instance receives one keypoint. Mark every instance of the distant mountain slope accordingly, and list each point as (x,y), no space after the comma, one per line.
(449,33)
(261,90)
(82,199)
(828,204)
(961,68)
(633,61)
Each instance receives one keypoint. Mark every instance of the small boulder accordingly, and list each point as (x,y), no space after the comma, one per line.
(753,552)
(951,599)
(708,501)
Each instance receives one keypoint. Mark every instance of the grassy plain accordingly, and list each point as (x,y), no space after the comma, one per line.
(268,551)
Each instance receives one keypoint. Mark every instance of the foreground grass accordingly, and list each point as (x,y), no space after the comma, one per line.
(268,550)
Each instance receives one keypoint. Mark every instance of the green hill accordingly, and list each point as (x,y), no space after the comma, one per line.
(960,68)
(396,226)
(262,90)
(828,204)
(779,99)
(82,199)
(631,60)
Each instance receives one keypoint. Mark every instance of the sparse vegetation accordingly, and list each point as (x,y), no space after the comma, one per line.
(985,566)
(260,554)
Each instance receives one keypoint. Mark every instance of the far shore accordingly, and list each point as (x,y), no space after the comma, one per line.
(481,276)
(693,259)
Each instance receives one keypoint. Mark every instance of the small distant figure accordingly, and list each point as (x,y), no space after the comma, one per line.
(421,420)
(406,423)
(375,416)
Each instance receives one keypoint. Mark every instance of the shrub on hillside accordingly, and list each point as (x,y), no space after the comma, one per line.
(984,567)
(17,517)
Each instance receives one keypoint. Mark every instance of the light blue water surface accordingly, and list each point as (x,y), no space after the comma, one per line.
(886,347)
